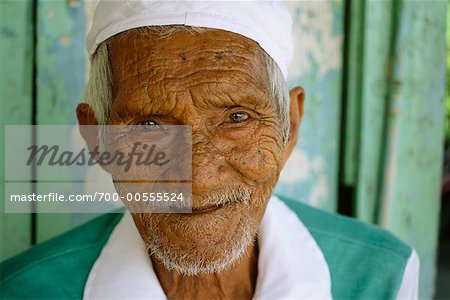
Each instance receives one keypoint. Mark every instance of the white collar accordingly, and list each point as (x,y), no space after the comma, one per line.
(290,263)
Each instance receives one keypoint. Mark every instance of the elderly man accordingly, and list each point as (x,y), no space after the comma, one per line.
(221,69)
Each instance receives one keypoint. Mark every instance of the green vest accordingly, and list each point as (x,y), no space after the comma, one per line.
(365,262)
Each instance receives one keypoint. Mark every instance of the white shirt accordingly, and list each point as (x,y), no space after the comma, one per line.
(290,266)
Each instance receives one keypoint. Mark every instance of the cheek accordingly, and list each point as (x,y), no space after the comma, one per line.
(255,163)
(257,158)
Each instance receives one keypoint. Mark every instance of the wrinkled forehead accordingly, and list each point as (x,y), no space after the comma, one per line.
(186,58)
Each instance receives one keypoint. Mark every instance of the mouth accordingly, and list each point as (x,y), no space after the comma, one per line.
(206,209)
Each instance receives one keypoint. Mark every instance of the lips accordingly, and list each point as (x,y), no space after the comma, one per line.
(207,209)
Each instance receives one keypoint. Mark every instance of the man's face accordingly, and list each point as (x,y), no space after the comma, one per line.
(216,82)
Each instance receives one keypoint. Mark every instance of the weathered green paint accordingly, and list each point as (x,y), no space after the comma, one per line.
(397,107)
(354,57)
(61,77)
(414,153)
(16,49)
(311,173)
(61,60)
(374,82)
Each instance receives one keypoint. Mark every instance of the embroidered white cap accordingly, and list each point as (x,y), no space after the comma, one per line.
(266,22)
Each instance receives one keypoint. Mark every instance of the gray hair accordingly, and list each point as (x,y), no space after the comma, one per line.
(98,93)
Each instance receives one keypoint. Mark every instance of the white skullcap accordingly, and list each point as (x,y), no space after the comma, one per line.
(266,22)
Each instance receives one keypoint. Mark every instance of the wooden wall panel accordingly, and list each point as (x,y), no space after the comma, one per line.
(352,103)
(311,173)
(374,82)
(399,103)
(16,89)
(414,150)
(61,64)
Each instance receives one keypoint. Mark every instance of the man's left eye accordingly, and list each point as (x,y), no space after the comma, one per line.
(237,117)
(151,126)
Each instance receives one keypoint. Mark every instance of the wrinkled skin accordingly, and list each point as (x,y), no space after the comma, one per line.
(204,80)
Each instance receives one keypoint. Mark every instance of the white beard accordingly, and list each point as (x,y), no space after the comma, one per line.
(194,261)
(198,260)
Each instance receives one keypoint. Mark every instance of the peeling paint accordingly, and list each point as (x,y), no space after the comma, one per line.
(297,168)
(310,175)
(314,38)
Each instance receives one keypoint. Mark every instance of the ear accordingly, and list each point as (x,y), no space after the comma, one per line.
(297,99)
(88,125)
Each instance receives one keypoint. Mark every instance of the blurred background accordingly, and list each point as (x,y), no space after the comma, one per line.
(374,143)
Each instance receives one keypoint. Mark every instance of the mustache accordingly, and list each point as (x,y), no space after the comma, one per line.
(223,196)
(220,196)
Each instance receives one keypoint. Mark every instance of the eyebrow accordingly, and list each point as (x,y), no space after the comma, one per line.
(232,94)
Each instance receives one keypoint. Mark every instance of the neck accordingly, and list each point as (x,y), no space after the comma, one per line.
(238,282)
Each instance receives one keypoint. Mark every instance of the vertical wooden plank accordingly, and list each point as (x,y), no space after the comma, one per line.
(61,60)
(415,132)
(352,107)
(375,79)
(61,63)
(16,57)
(311,174)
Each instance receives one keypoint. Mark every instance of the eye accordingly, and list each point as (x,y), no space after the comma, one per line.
(237,117)
(150,125)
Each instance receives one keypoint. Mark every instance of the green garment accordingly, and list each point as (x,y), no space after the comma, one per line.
(365,262)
